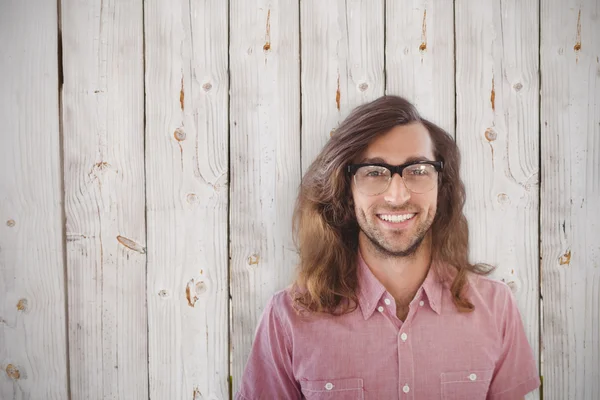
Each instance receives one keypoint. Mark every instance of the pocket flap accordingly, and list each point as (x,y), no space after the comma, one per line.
(467,376)
(327,385)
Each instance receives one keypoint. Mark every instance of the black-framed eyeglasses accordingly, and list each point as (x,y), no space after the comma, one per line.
(374,179)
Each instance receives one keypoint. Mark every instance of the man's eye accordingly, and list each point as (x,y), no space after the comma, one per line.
(374,173)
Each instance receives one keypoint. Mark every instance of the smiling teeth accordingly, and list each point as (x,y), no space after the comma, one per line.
(396,218)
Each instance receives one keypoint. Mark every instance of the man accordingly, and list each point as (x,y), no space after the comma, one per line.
(386,304)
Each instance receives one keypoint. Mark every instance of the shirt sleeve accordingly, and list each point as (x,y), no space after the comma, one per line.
(516,372)
(268,373)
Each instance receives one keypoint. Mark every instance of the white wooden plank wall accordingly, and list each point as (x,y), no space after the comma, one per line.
(419,57)
(570,217)
(264,160)
(33,339)
(342,65)
(187,193)
(103,142)
(497,107)
(240,96)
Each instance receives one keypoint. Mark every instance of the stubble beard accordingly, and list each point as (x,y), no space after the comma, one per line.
(381,245)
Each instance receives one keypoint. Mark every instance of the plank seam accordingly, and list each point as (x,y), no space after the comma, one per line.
(540,166)
(229,302)
(145,191)
(455,72)
(61,79)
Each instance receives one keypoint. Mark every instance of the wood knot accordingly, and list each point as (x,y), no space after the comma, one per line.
(267,46)
(423,47)
(196,395)
(23,305)
(363,86)
(565,259)
(253,259)
(13,372)
(10,223)
(518,86)
(194,290)
(490,134)
(130,244)
(207,86)
(163,293)
(201,287)
(503,198)
(192,198)
(577,47)
(179,134)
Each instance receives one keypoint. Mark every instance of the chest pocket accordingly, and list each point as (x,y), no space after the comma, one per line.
(472,385)
(334,389)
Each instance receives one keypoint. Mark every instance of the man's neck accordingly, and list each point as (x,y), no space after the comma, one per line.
(401,276)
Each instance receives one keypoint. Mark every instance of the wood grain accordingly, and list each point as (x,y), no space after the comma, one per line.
(187,193)
(265,160)
(342,65)
(33,338)
(419,57)
(570,217)
(103,120)
(497,108)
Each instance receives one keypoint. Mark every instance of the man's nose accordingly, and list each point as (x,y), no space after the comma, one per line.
(397,193)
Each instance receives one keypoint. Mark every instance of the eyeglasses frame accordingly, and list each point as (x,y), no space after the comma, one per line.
(395,169)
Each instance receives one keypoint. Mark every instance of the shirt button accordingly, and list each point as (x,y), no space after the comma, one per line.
(406,389)
(380,309)
(329,386)
(472,377)
(421,303)
(404,336)
(387,302)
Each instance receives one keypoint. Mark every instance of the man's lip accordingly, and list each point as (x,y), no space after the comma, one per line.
(396,213)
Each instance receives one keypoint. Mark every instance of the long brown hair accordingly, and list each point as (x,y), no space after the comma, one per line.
(324,222)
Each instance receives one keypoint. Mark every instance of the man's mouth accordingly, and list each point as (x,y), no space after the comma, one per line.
(395,217)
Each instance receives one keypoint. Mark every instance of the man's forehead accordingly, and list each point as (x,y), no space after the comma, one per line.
(381,160)
(401,144)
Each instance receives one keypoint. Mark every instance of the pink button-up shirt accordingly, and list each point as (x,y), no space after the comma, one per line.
(436,353)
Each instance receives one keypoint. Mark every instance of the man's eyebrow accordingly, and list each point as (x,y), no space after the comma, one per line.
(379,160)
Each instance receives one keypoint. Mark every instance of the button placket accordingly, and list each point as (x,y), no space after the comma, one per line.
(406,377)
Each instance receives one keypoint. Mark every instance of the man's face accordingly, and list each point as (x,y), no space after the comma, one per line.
(380,217)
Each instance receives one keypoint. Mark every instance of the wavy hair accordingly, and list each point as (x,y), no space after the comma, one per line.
(324,222)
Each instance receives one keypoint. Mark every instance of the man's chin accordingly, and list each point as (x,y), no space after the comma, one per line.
(392,249)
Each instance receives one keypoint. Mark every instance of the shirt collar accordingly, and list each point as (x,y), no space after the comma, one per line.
(371,290)
(433,288)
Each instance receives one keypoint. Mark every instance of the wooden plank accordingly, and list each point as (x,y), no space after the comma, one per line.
(33,338)
(342,65)
(420,57)
(187,194)
(265,160)
(497,106)
(103,119)
(570,217)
